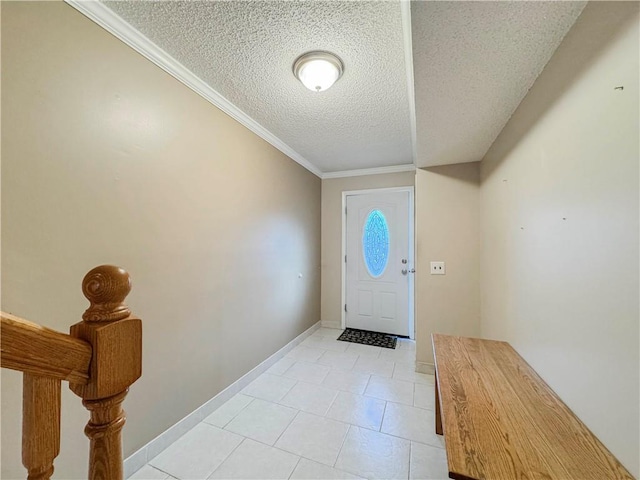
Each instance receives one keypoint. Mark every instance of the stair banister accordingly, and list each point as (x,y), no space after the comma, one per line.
(100,359)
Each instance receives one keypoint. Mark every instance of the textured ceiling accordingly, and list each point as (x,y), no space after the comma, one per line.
(245,51)
(473,64)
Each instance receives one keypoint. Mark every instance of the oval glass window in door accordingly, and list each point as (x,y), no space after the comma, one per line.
(375,243)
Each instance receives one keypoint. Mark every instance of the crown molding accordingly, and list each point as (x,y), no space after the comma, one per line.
(370,171)
(122,30)
(407,40)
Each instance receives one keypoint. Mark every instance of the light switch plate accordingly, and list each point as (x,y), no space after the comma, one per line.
(437,268)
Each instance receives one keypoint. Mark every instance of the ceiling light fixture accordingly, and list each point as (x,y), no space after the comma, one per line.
(318,70)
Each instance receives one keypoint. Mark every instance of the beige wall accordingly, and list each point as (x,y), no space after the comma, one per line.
(447,229)
(560,226)
(331,305)
(107,159)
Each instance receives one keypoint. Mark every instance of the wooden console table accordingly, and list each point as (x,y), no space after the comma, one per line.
(501,421)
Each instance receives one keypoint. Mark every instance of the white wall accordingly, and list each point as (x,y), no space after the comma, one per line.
(331,295)
(447,229)
(560,223)
(108,159)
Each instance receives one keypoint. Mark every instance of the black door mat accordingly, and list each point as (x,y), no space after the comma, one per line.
(368,338)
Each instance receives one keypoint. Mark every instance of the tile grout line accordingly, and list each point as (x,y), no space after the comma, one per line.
(294,468)
(287,451)
(339,451)
(383,414)
(295,360)
(232,418)
(156,468)
(395,365)
(441,447)
(410,453)
(344,440)
(302,456)
(285,429)
(350,426)
(367,385)
(413,395)
(290,388)
(230,453)
(332,402)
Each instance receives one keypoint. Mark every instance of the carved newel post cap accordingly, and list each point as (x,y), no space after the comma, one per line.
(106,287)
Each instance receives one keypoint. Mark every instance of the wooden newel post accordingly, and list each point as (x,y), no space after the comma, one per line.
(116,338)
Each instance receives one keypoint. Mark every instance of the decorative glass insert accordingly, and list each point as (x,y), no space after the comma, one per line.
(375,243)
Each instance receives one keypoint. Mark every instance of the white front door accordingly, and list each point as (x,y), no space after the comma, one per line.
(379,262)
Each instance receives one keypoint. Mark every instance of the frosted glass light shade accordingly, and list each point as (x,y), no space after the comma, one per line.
(318,70)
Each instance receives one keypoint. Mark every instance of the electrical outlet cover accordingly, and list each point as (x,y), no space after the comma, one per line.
(437,268)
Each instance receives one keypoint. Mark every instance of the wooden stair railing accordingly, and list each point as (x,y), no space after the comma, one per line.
(100,359)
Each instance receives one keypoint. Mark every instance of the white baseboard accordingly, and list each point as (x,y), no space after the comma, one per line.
(329,324)
(423,367)
(140,458)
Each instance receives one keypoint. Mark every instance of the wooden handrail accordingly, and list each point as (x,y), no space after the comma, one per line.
(37,350)
(100,359)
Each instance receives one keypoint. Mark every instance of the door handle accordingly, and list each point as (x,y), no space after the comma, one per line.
(404,271)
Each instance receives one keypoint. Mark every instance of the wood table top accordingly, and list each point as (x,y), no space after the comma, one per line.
(502,421)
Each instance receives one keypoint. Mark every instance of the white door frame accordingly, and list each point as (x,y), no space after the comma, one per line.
(412,247)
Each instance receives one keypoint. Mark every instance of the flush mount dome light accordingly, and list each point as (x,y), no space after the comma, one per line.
(318,70)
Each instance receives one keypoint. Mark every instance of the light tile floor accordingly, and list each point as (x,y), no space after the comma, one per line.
(328,410)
